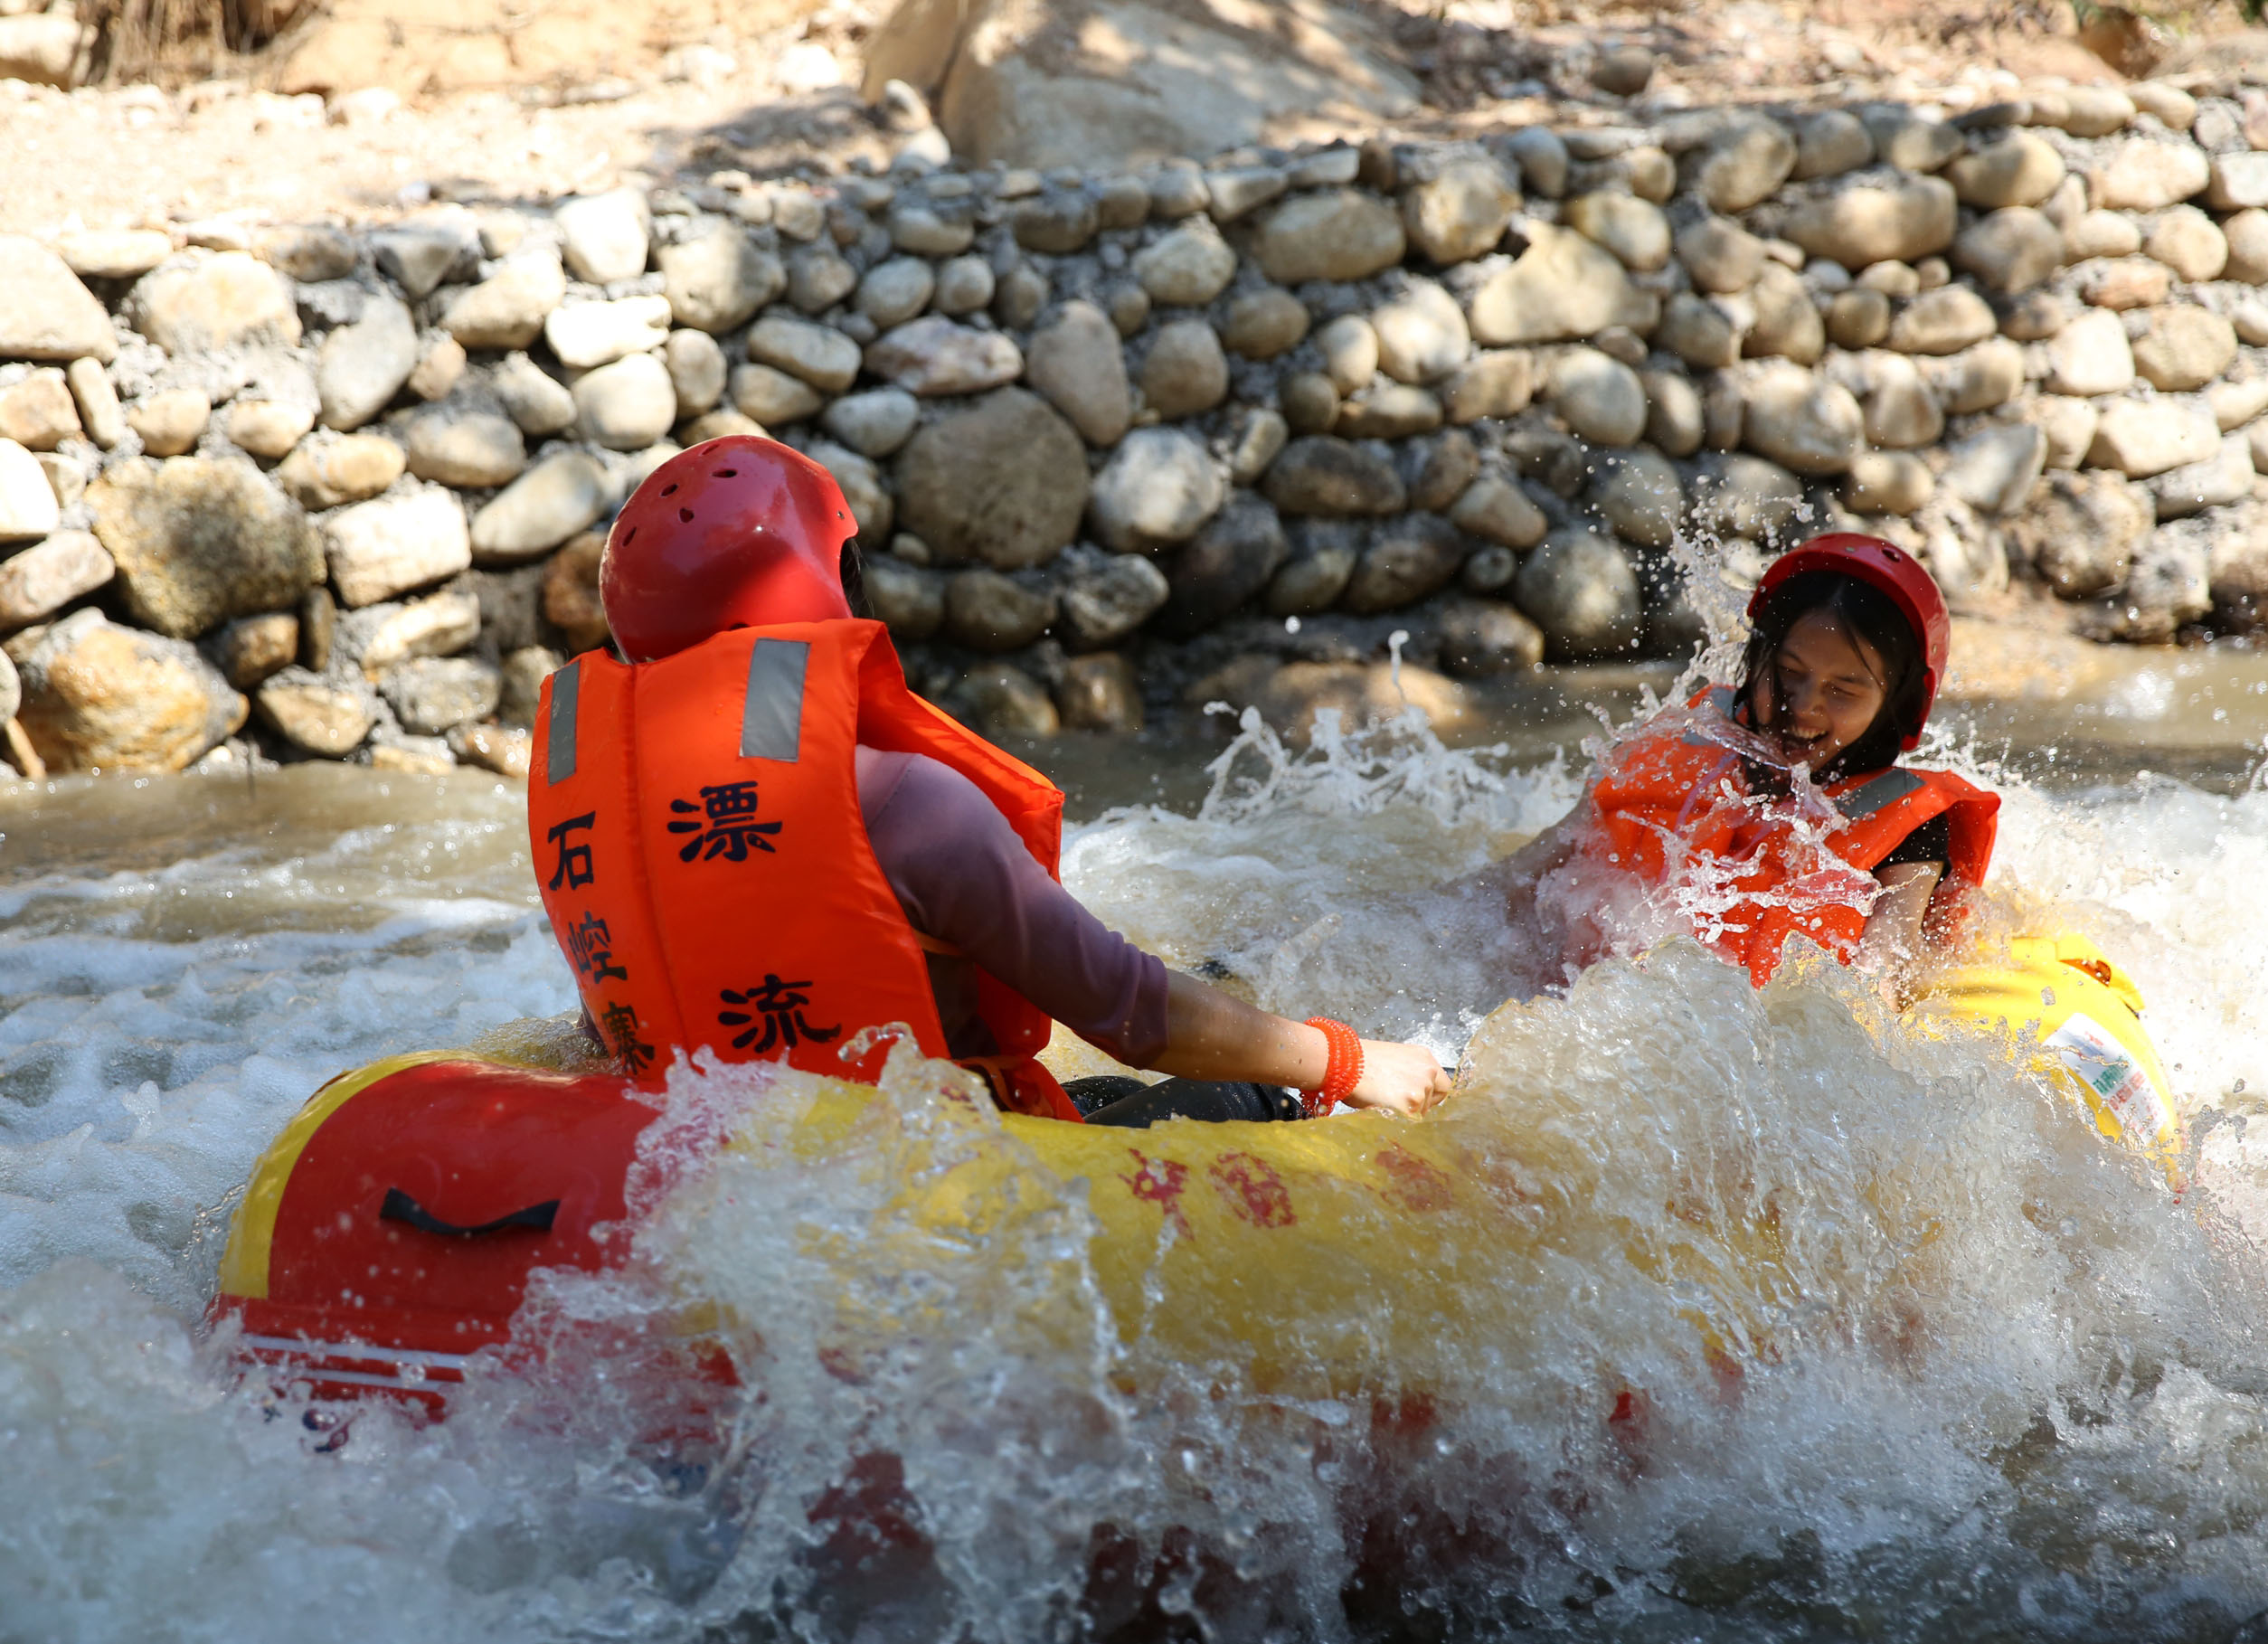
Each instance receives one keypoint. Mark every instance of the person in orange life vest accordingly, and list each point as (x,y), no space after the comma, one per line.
(1779,807)
(750,835)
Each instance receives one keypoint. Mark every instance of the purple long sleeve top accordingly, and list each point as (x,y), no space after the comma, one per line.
(963,877)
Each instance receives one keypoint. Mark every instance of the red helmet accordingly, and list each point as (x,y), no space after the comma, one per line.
(1891,570)
(735,532)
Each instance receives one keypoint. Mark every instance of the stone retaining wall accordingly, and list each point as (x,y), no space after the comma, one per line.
(1112,435)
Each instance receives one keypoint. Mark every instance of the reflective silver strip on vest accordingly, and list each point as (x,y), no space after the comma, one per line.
(559,733)
(771,714)
(1886,789)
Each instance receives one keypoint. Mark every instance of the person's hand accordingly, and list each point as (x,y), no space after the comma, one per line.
(1404,1079)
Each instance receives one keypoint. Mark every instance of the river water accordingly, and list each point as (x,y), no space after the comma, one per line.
(1921,1357)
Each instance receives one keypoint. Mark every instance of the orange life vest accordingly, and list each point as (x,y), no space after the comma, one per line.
(1676,799)
(696,835)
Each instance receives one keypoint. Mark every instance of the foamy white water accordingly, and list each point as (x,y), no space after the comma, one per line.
(1914,1354)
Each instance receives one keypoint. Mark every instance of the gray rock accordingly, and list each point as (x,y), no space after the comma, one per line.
(1310,401)
(1720,255)
(988,611)
(1102,692)
(1495,382)
(323,474)
(311,713)
(2090,356)
(98,410)
(1634,230)
(1738,495)
(418,253)
(820,276)
(964,285)
(930,230)
(2187,242)
(1801,421)
(1788,323)
(364,365)
(2019,169)
(221,301)
(2102,234)
(431,695)
(39,582)
(582,336)
(1018,296)
(1157,489)
(1639,496)
(820,355)
(1226,564)
(1887,482)
(2140,438)
(908,600)
(128,253)
(1191,266)
(1542,156)
(536,402)
(1104,596)
(2143,175)
(626,406)
(1857,318)
(1261,436)
(934,355)
(1563,285)
(1481,638)
(697,370)
(1000,699)
(717,281)
(2167,586)
(891,293)
(1495,510)
(1056,223)
(1673,412)
(1408,559)
(267,427)
(45,313)
(98,696)
(198,541)
(1490,568)
(2009,251)
(39,413)
(1002,481)
(2185,348)
(874,423)
(604,236)
(1830,142)
(1238,190)
(1421,334)
(773,398)
(1263,324)
(1580,590)
(1349,348)
(1860,224)
(377,636)
(1994,469)
(1311,580)
(507,309)
(1744,164)
(1329,235)
(562,494)
(1321,474)
(1943,321)
(1976,379)
(1076,363)
(1700,332)
(1599,398)
(1185,371)
(379,549)
(871,503)
(1460,211)
(1440,470)
(477,450)
(2225,477)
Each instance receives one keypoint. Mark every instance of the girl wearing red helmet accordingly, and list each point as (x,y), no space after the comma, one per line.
(752,838)
(1779,807)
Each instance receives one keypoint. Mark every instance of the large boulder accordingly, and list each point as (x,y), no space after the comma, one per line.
(1563,286)
(1157,488)
(218,302)
(98,696)
(1043,82)
(198,541)
(1878,222)
(1002,481)
(1581,590)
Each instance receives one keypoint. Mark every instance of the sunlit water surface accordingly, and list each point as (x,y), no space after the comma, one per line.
(1920,1358)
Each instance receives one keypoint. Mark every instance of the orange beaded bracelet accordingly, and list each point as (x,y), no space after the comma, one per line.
(1341,1073)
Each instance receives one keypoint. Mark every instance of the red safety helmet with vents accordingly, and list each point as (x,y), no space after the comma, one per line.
(1894,573)
(736,533)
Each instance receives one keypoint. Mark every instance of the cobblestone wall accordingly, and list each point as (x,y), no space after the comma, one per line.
(342,490)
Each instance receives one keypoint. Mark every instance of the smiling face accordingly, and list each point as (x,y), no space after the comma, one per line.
(1819,692)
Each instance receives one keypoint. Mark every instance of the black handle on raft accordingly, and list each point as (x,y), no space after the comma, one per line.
(400,1207)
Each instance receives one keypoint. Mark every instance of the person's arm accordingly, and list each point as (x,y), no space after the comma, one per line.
(1893,939)
(1213,1035)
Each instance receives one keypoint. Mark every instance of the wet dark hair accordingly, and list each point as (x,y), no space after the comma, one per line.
(854,575)
(1868,613)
